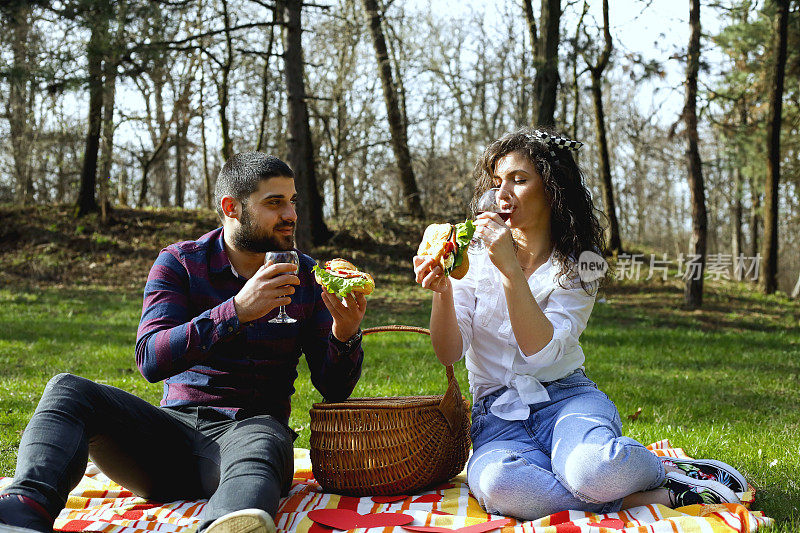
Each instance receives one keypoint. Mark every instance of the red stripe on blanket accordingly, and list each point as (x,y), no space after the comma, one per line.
(76,525)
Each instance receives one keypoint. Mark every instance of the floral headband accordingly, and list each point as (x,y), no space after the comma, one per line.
(555,141)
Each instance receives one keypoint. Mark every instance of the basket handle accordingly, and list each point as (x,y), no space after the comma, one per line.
(452,405)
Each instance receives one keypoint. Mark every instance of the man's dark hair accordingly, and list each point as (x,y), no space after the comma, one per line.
(242,173)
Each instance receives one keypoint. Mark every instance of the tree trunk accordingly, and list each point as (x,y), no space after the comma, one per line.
(107,159)
(223,88)
(545,84)
(397,127)
(755,217)
(159,166)
(576,89)
(311,229)
(737,234)
(87,202)
(693,292)
(122,186)
(181,142)
(265,89)
(736,223)
(606,183)
(17,104)
(209,194)
(768,278)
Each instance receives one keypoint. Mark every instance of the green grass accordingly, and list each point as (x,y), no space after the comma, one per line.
(722,382)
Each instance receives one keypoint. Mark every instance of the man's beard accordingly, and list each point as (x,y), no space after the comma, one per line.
(249,238)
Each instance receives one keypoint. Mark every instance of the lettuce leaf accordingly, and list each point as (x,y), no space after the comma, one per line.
(464,232)
(339,286)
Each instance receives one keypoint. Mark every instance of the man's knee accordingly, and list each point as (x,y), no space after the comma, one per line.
(259,445)
(261,432)
(69,385)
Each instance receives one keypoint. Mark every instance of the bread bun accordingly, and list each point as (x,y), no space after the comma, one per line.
(340,264)
(461,270)
(433,242)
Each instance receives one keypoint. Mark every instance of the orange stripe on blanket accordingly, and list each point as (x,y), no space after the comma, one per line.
(100,505)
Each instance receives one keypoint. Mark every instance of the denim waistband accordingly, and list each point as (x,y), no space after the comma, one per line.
(483,408)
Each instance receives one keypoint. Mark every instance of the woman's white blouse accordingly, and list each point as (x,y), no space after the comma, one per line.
(493,357)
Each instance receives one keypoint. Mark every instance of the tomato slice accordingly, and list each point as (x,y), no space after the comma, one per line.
(344,273)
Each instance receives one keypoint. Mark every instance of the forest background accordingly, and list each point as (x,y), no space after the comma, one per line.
(383,106)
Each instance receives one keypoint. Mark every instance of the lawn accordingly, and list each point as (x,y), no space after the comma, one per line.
(722,382)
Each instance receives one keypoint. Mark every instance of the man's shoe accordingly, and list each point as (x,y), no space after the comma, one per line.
(684,490)
(709,469)
(244,521)
(20,513)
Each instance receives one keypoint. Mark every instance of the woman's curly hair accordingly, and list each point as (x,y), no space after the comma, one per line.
(574,220)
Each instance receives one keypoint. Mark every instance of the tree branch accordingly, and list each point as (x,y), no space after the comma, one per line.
(209,34)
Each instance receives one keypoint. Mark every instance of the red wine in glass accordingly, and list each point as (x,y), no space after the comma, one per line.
(289,256)
(494,200)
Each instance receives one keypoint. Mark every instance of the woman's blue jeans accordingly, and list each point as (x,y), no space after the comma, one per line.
(568,454)
(162,454)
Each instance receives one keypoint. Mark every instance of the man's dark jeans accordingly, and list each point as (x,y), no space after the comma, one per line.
(161,454)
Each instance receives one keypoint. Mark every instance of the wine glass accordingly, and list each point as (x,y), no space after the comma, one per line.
(289,256)
(494,200)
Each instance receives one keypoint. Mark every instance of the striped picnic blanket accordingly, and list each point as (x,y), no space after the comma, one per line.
(99,504)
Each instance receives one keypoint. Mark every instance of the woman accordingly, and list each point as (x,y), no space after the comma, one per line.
(545,439)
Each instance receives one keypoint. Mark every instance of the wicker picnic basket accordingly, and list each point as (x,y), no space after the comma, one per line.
(391,445)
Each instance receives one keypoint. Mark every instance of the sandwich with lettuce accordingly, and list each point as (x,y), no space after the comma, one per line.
(341,277)
(447,244)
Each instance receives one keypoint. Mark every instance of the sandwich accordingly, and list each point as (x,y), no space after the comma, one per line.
(341,277)
(447,244)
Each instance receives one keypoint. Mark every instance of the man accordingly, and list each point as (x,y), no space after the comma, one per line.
(222,429)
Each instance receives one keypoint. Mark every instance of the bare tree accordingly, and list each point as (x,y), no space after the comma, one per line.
(223,85)
(576,89)
(312,228)
(693,292)
(397,126)
(98,18)
(265,86)
(19,14)
(545,53)
(737,236)
(209,194)
(756,220)
(768,280)
(606,184)
(110,70)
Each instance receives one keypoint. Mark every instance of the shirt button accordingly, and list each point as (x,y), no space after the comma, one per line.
(230,329)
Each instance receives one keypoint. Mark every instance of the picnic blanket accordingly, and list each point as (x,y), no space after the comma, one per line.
(99,504)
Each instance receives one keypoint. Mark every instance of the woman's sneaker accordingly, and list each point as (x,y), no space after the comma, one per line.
(710,469)
(684,490)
